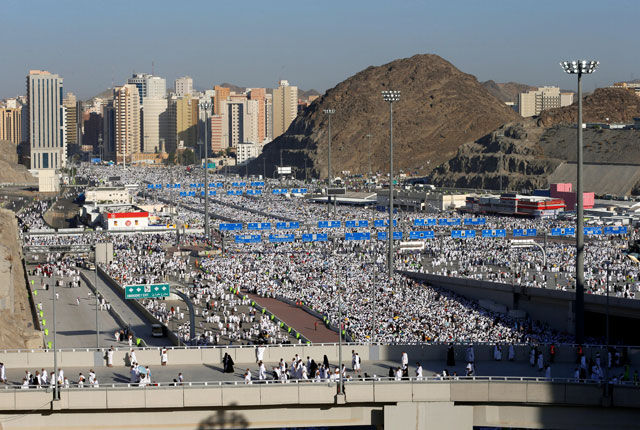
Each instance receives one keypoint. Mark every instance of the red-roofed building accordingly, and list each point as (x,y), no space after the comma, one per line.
(131,220)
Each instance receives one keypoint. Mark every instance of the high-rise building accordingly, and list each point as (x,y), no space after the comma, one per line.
(285,107)
(157,121)
(183,86)
(92,131)
(241,117)
(156,88)
(186,109)
(46,136)
(235,117)
(71,118)
(268,116)
(148,86)
(218,141)
(127,121)
(260,96)
(11,123)
(109,130)
(222,94)
(533,103)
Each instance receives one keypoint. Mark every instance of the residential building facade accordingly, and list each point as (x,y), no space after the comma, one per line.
(183,86)
(285,107)
(46,135)
(127,121)
(532,103)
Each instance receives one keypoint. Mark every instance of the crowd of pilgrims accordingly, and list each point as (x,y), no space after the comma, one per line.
(321,275)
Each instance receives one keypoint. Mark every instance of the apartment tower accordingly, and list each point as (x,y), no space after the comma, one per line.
(183,86)
(46,136)
(285,107)
(11,124)
(127,121)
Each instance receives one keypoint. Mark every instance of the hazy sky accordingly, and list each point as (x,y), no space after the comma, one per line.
(312,44)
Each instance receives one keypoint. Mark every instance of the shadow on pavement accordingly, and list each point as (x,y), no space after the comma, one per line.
(224,419)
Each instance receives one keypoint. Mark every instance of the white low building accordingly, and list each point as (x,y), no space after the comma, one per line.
(130,218)
(108,195)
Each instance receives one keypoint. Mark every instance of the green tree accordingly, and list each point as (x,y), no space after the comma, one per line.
(171,158)
(188,157)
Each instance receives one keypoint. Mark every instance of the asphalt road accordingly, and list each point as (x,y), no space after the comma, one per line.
(75,324)
(130,315)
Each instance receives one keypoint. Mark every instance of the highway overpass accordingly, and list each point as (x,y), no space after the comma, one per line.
(525,402)
(455,405)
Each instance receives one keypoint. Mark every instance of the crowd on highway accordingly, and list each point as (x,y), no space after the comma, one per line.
(346,281)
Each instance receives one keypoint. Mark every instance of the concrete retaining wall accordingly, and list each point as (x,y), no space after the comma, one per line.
(549,305)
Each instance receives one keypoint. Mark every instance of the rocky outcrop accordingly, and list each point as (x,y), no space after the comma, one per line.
(606,105)
(17,328)
(10,171)
(508,157)
(440,109)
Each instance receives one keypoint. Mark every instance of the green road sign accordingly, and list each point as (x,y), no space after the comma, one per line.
(146,291)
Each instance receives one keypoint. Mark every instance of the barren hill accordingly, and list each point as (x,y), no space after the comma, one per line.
(508,91)
(529,153)
(440,108)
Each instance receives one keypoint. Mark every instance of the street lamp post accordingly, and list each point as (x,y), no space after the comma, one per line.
(95,284)
(56,394)
(579,68)
(340,382)
(391,96)
(329,112)
(206,106)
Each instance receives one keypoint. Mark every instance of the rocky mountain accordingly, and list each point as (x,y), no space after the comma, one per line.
(528,153)
(615,105)
(440,109)
(506,92)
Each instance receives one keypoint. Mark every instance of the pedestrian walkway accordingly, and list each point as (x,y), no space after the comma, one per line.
(120,373)
(309,326)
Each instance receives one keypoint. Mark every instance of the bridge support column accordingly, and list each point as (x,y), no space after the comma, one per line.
(428,416)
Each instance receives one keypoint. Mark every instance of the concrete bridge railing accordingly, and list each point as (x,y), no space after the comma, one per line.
(469,391)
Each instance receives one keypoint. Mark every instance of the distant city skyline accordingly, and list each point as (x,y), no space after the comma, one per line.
(312,45)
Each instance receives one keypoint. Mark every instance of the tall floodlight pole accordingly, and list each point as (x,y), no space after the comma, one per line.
(206,106)
(391,96)
(579,68)
(329,112)
(56,394)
